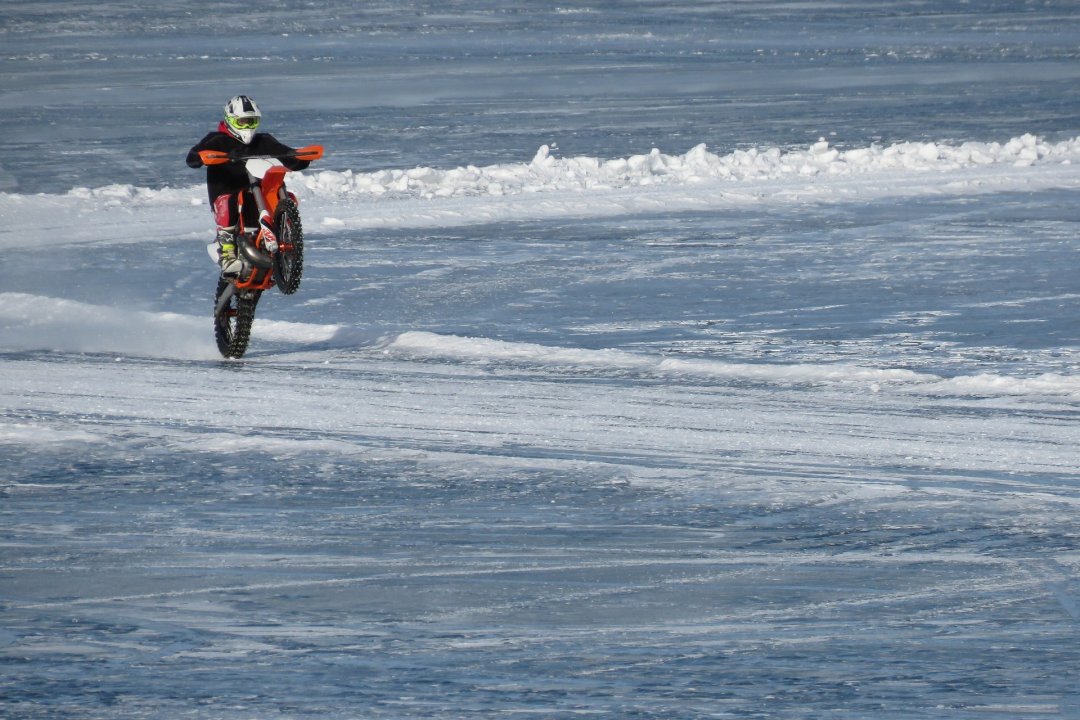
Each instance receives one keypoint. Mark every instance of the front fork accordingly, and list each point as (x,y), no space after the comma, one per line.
(268,242)
(257,254)
(223,299)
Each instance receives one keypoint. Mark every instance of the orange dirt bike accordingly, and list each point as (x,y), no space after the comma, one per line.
(271,247)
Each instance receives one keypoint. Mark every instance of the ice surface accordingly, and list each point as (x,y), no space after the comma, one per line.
(652,360)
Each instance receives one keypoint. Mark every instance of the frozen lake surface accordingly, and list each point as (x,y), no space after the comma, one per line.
(777,420)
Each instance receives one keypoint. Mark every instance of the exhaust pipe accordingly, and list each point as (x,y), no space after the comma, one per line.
(255,256)
(223,299)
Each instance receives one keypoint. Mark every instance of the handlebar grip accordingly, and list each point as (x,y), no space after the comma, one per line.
(309,153)
(213,157)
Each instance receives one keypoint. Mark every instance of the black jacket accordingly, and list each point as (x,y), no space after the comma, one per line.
(231,177)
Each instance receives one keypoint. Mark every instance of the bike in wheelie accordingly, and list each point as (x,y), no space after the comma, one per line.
(269,244)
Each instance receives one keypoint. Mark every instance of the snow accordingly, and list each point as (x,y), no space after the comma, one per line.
(546,173)
(589,186)
(659,359)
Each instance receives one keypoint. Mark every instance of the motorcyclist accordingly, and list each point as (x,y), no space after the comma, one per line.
(236,134)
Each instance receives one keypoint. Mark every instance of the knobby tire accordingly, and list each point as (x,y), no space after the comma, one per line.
(232,327)
(288,264)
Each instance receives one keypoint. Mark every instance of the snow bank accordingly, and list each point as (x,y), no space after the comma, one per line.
(1048,384)
(427,344)
(21,433)
(550,187)
(424,344)
(549,173)
(34,322)
(485,350)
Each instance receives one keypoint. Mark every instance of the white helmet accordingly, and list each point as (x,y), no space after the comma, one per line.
(242,118)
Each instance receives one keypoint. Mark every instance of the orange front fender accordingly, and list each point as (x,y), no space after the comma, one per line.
(272,182)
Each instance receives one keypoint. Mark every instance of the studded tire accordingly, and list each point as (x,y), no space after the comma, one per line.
(289,260)
(232,326)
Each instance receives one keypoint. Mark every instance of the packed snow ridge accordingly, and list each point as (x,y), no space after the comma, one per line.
(548,173)
(551,187)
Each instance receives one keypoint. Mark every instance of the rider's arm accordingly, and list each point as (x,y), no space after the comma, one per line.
(193,160)
(294,163)
(281,151)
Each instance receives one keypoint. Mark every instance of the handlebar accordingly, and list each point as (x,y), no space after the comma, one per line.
(217,157)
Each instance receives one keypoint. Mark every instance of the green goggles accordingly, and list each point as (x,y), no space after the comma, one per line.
(243,123)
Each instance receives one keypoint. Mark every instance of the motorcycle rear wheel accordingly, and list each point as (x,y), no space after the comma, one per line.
(232,326)
(289,260)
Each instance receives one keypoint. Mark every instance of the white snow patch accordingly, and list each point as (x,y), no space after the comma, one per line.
(466,349)
(552,187)
(41,323)
(547,173)
(27,434)
(35,322)
(294,332)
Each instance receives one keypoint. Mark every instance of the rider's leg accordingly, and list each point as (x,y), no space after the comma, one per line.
(226,216)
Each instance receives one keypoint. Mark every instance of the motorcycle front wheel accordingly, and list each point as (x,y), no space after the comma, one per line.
(289,259)
(232,323)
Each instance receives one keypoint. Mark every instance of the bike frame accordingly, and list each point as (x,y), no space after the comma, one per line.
(267,259)
(267,189)
(266,176)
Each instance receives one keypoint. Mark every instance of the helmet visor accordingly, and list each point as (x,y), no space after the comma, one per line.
(243,123)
